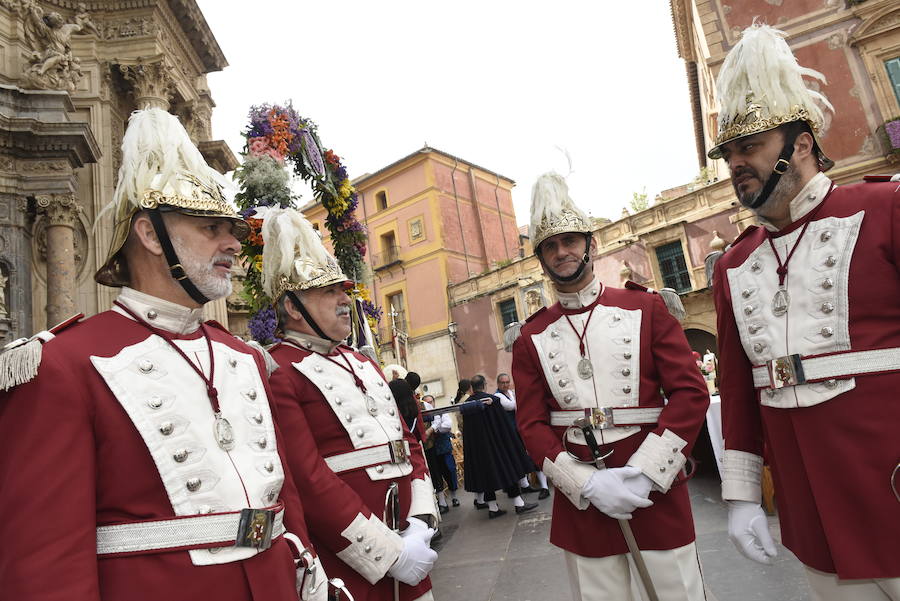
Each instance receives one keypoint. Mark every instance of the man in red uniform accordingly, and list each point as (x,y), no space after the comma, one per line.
(343,397)
(611,351)
(809,335)
(140,459)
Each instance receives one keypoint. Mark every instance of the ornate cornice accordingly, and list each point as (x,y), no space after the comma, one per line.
(218,155)
(197,30)
(60,209)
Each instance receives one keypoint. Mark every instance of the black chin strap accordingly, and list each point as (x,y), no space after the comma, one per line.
(565,279)
(312,322)
(781,166)
(175,267)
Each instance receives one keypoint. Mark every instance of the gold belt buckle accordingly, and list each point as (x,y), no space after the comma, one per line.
(399,451)
(255,528)
(600,418)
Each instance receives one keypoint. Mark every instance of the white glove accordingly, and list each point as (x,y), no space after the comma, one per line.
(417,558)
(896,177)
(748,529)
(608,491)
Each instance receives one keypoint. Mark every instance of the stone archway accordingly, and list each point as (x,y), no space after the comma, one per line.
(701,340)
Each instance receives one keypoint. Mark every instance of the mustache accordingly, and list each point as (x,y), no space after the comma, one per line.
(229,259)
(342,310)
(744,171)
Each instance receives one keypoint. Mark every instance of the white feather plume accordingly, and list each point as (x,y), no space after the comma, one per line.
(549,196)
(155,149)
(763,67)
(291,245)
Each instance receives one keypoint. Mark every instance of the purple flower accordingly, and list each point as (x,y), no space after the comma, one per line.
(312,152)
(263,325)
(892,129)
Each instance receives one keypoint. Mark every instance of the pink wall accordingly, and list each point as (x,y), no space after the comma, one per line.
(700,234)
(478,334)
(399,187)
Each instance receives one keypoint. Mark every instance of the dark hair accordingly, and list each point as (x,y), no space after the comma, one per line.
(478,382)
(413,379)
(427,396)
(461,390)
(403,394)
(791,130)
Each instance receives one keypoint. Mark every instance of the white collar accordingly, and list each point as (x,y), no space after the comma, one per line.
(583,298)
(310,342)
(807,200)
(159,313)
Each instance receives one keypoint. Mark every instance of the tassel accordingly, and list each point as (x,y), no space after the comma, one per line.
(271,364)
(511,334)
(19,362)
(673,303)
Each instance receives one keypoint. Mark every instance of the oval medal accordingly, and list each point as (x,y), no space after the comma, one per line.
(585,369)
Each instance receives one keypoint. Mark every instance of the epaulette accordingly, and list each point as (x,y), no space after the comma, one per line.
(635,286)
(271,363)
(511,334)
(536,313)
(20,359)
(669,296)
(746,232)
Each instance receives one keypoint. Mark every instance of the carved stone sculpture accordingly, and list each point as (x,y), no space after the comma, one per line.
(51,65)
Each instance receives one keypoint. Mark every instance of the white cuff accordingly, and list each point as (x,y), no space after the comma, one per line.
(741,476)
(660,458)
(569,477)
(373,547)
(422,498)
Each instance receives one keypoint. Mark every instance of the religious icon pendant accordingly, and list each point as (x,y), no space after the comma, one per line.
(223,433)
(780,302)
(585,370)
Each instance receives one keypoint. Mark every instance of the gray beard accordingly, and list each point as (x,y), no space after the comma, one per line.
(203,275)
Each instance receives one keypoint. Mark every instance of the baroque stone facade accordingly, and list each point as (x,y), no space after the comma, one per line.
(71,73)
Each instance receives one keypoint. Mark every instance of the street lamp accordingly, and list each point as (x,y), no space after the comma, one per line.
(453,330)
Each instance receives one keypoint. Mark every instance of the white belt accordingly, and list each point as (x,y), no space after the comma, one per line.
(793,370)
(608,417)
(396,451)
(247,528)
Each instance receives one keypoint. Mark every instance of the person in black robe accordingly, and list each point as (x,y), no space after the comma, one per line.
(494,456)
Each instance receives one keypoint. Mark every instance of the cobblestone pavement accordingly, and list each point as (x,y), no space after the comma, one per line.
(510,558)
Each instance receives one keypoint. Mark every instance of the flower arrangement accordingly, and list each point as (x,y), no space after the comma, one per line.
(890,131)
(277,138)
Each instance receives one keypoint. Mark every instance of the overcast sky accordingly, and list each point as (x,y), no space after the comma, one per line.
(498,83)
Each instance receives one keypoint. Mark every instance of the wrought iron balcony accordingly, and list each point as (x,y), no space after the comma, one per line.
(388,257)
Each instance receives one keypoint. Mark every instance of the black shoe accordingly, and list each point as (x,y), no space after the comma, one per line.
(498,513)
(544,494)
(480,505)
(526,508)
(528,489)
(456,502)
(443,509)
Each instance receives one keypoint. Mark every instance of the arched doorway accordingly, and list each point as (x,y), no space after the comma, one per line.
(701,341)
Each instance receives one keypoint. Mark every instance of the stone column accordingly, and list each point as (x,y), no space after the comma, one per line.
(153,83)
(62,213)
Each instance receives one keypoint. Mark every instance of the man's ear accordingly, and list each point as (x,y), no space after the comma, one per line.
(593,247)
(804,144)
(145,235)
(291,309)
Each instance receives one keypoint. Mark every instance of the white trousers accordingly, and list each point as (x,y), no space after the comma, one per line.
(828,587)
(675,575)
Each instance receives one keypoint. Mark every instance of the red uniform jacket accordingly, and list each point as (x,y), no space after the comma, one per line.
(832,444)
(73,459)
(636,349)
(307,399)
